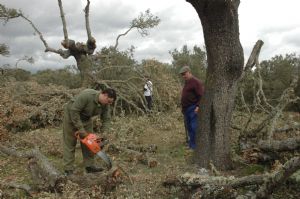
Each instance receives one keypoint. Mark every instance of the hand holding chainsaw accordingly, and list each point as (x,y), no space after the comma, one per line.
(94,144)
(82,134)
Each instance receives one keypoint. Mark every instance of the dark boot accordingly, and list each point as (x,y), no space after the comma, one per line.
(93,169)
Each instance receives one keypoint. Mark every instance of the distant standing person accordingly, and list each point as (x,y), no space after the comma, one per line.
(190,100)
(148,90)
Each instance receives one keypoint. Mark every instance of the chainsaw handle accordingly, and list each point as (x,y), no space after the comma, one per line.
(77,135)
(81,134)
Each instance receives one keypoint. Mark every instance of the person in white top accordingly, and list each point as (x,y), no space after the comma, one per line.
(148,90)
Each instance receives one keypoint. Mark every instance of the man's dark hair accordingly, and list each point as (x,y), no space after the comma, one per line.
(111,93)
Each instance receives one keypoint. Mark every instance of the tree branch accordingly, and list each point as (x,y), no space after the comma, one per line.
(276,179)
(278,146)
(254,55)
(120,35)
(62,15)
(87,21)
(142,23)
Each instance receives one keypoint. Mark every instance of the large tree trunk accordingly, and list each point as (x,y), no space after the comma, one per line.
(84,64)
(225,58)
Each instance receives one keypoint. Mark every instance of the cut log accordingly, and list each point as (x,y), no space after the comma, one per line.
(24,187)
(107,180)
(47,178)
(279,146)
(44,174)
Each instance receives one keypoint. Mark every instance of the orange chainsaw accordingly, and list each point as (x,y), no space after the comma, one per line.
(95,145)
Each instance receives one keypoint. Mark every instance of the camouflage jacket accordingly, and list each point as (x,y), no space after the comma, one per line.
(86,105)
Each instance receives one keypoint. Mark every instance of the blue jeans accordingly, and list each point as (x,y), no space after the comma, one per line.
(191,120)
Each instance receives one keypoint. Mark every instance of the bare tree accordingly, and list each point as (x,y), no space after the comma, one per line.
(225,58)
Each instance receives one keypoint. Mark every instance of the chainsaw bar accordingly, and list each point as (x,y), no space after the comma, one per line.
(106,159)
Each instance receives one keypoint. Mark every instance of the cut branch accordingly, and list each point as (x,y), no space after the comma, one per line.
(62,15)
(87,21)
(254,55)
(24,187)
(279,146)
(276,179)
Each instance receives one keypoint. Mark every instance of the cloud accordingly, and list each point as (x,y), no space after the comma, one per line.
(276,23)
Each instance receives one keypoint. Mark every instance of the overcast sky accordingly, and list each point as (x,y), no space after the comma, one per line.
(276,22)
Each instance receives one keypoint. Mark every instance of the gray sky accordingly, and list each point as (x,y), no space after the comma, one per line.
(276,22)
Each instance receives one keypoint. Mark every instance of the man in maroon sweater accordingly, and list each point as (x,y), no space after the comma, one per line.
(190,100)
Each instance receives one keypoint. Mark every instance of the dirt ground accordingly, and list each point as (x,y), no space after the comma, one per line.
(162,130)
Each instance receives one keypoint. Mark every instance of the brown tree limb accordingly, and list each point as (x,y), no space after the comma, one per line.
(286,98)
(277,178)
(63,53)
(268,182)
(24,187)
(46,177)
(107,180)
(288,129)
(44,166)
(62,15)
(279,146)
(87,21)
(142,23)
(254,55)
(120,35)
(121,95)
(196,180)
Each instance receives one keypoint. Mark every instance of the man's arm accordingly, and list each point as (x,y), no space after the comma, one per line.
(199,90)
(77,106)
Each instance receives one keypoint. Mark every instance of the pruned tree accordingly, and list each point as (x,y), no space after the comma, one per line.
(225,59)
(81,51)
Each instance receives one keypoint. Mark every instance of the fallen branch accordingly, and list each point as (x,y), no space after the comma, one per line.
(288,129)
(278,146)
(277,178)
(268,182)
(41,169)
(24,187)
(46,177)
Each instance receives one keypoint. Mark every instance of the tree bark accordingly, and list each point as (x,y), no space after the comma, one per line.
(225,58)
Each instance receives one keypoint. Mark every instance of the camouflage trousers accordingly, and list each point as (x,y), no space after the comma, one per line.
(70,141)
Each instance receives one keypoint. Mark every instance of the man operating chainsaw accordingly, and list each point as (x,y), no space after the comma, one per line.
(78,113)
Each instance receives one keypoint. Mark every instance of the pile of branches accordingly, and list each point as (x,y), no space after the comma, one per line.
(28,105)
(129,82)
